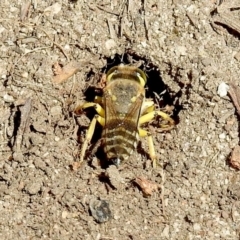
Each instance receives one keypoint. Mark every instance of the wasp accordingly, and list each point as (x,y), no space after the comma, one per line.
(121,111)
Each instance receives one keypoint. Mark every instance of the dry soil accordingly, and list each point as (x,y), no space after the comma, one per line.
(184,44)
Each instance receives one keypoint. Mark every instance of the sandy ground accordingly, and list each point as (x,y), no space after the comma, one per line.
(182,45)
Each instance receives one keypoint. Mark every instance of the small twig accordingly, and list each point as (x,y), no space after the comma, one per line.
(223,16)
(145,21)
(59,46)
(93,7)
(53,42)
(211,159)
(107,11)
(24,10)
(234,92)
(111,30)
(233,209)
(121,29)
(162,191)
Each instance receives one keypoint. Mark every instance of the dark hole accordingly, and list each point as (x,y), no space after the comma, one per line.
(17,121)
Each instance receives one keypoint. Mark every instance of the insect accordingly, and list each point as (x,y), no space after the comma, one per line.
(121,111)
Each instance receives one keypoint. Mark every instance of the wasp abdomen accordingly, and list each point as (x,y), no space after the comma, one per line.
(120,141)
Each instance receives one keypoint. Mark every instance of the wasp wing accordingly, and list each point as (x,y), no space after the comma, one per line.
(120,133)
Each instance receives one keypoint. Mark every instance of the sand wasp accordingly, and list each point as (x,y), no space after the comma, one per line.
(121,111)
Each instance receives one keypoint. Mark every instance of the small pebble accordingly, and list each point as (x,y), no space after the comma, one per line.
(237,56)
(24,75)
(222,136)
(196,227)
(222,89)
(235,158)
(165,232)
(64,214)
(57,139)
(114,176)
(144,44)
(67,47)
(8,98)
(56,110)
(54,9)
(110,43)
(182,50)
(33,188)
(100,210)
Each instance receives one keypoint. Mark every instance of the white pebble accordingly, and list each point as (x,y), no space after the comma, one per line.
(110,43)
(8,98)
(222,136)
(165,232)
(144,44)
(24,75)
(182,50)
(198,139)
(54,9)
(196,227)
(57,139)
(67,47)
(222,89)
(64,214)
(56,110)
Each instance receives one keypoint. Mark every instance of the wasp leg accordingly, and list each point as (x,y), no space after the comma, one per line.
(98,99)
(152,153)
(142,132)
(89,134)
(97,107)
(148,106)
(151,115)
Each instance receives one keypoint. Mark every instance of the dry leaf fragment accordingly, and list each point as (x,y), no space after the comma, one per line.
(76,165)
(62,74)
(147,186)
(235,158)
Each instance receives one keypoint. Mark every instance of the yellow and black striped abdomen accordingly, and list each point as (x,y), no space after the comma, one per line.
(120,139)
